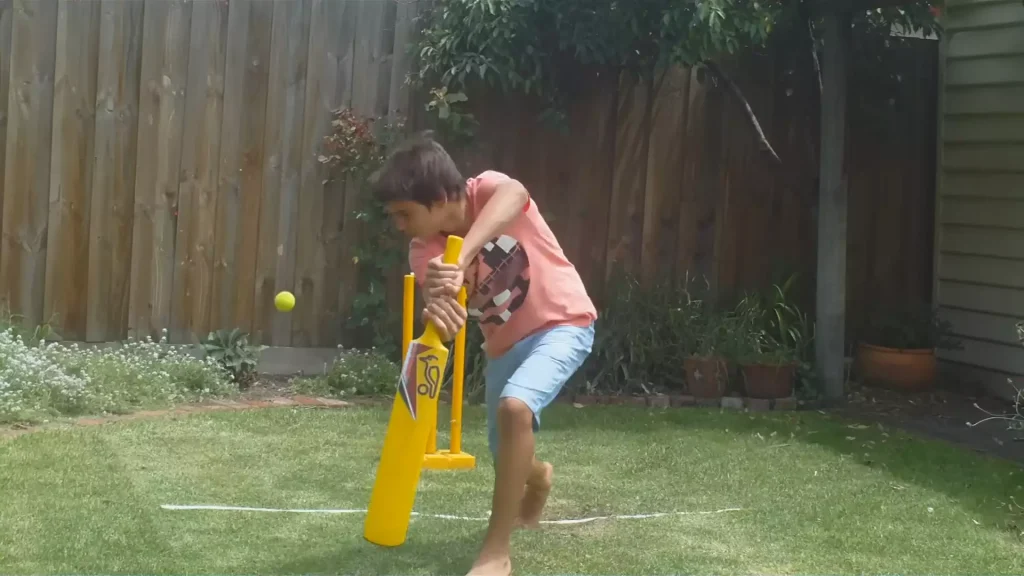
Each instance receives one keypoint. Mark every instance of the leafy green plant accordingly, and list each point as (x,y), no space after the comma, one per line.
(454,126)
(355,372)
(643,335)
(540,48)
(354,149)
(772,329)
(231,349)
(518,45)
(910,327)
(31,334)
(776,330)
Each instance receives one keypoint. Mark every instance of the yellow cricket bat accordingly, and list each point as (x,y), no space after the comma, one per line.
(413,415)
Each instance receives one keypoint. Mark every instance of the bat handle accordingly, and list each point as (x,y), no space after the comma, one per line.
(451,256)
(451,250)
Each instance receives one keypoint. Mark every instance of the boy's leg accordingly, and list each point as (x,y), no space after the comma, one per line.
(548,360)
(538,486)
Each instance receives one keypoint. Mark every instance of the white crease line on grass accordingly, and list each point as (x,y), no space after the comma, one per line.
(440,516)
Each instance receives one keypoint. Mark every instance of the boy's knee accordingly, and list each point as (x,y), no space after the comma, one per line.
(514,412)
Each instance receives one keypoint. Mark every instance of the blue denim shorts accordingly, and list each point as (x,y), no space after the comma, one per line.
(534,372)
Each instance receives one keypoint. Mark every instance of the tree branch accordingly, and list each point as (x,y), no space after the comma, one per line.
(812,43)
(814,55)
(765,145)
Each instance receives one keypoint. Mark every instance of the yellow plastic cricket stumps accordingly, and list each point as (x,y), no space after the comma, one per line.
(453,458)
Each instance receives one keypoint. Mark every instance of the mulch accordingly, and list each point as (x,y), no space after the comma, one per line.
(947,415)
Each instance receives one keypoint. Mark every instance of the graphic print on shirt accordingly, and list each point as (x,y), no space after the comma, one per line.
(502,281)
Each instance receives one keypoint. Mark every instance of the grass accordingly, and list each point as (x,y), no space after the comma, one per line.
(818,496)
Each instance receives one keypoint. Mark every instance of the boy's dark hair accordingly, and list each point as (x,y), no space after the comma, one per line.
(418,170)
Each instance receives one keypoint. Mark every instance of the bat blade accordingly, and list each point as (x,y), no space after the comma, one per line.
(413,413)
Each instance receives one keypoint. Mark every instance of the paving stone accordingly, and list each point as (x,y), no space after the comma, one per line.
(306,401)
(91,421)
(785,403)
(659,401)
(585,399)
(683,400)
(758,404)
(709,402)
(732,402)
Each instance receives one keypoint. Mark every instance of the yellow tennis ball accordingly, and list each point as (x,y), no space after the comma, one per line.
(284,301)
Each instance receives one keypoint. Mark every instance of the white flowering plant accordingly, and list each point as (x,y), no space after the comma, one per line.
(354,373)
(44,380)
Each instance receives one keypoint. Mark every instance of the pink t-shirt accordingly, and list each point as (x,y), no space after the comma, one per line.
(520,282)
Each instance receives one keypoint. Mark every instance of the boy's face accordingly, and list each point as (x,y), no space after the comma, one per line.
(416,220)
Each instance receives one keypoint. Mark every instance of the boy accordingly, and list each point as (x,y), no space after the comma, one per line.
(532,307)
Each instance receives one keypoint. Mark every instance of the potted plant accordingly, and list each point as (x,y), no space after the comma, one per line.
(705,365)
(768,371)
(898,348)
(774,340)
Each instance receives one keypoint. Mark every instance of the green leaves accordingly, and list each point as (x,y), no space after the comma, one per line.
(523,45)
(910,327)
(231,349)
(519,45)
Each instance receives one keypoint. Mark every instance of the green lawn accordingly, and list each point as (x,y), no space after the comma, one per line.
(818,496)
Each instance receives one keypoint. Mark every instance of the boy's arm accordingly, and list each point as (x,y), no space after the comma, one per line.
(504,202)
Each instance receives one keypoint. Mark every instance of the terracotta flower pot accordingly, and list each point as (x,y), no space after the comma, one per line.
(705,377)
(767,381)
(908,370)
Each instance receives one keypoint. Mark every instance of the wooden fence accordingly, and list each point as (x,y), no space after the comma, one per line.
(160,169)
(161,160)
(666,178)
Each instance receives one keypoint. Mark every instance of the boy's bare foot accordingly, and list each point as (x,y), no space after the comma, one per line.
(537,489)
(494,566)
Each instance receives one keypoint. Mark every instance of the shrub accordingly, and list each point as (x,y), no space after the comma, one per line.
(646,331)
(774,328)
(353,149)
(1015,419)
(232,351)
(49,379)
(642,337)
(354,373)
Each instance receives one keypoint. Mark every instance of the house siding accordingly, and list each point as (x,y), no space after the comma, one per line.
(979,260)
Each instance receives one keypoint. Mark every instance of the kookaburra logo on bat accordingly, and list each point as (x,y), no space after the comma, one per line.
(432,375)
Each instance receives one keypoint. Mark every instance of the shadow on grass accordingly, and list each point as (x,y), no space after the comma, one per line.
(981,483)
(449,555)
